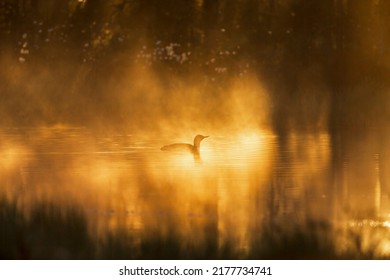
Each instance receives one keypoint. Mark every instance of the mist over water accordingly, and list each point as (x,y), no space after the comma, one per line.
(294,97)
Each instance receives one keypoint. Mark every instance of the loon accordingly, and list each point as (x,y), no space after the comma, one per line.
(183,147)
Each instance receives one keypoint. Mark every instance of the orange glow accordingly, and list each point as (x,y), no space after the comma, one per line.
(9,158)
(298,126)
(129,184)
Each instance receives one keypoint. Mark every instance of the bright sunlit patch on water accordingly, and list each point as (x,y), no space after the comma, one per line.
(182,160)
(9,158)
(102,173)
(243,151)
(12,156)
(246,151)
(250,138)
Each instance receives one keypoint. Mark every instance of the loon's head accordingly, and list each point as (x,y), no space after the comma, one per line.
(197,139)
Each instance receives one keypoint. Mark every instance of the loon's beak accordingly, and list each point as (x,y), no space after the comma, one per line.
(205,136)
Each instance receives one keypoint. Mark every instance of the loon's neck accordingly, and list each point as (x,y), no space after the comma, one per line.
(197,141)
(195,149)
(196,144)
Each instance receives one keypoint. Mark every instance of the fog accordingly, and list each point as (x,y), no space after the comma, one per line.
(116,76)
(130,64)
(293,94)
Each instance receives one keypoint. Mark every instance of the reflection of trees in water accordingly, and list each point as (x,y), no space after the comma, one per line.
(49,232)
(299,188)
(361,164)
(338,200)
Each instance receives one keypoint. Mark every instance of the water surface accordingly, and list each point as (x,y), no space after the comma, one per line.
(255,194)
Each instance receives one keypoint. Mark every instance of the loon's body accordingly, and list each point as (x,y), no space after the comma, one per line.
(184,147)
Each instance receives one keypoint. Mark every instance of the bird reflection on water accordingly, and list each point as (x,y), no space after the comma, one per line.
(187,148)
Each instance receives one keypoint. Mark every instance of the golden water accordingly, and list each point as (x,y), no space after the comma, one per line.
(245,181)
